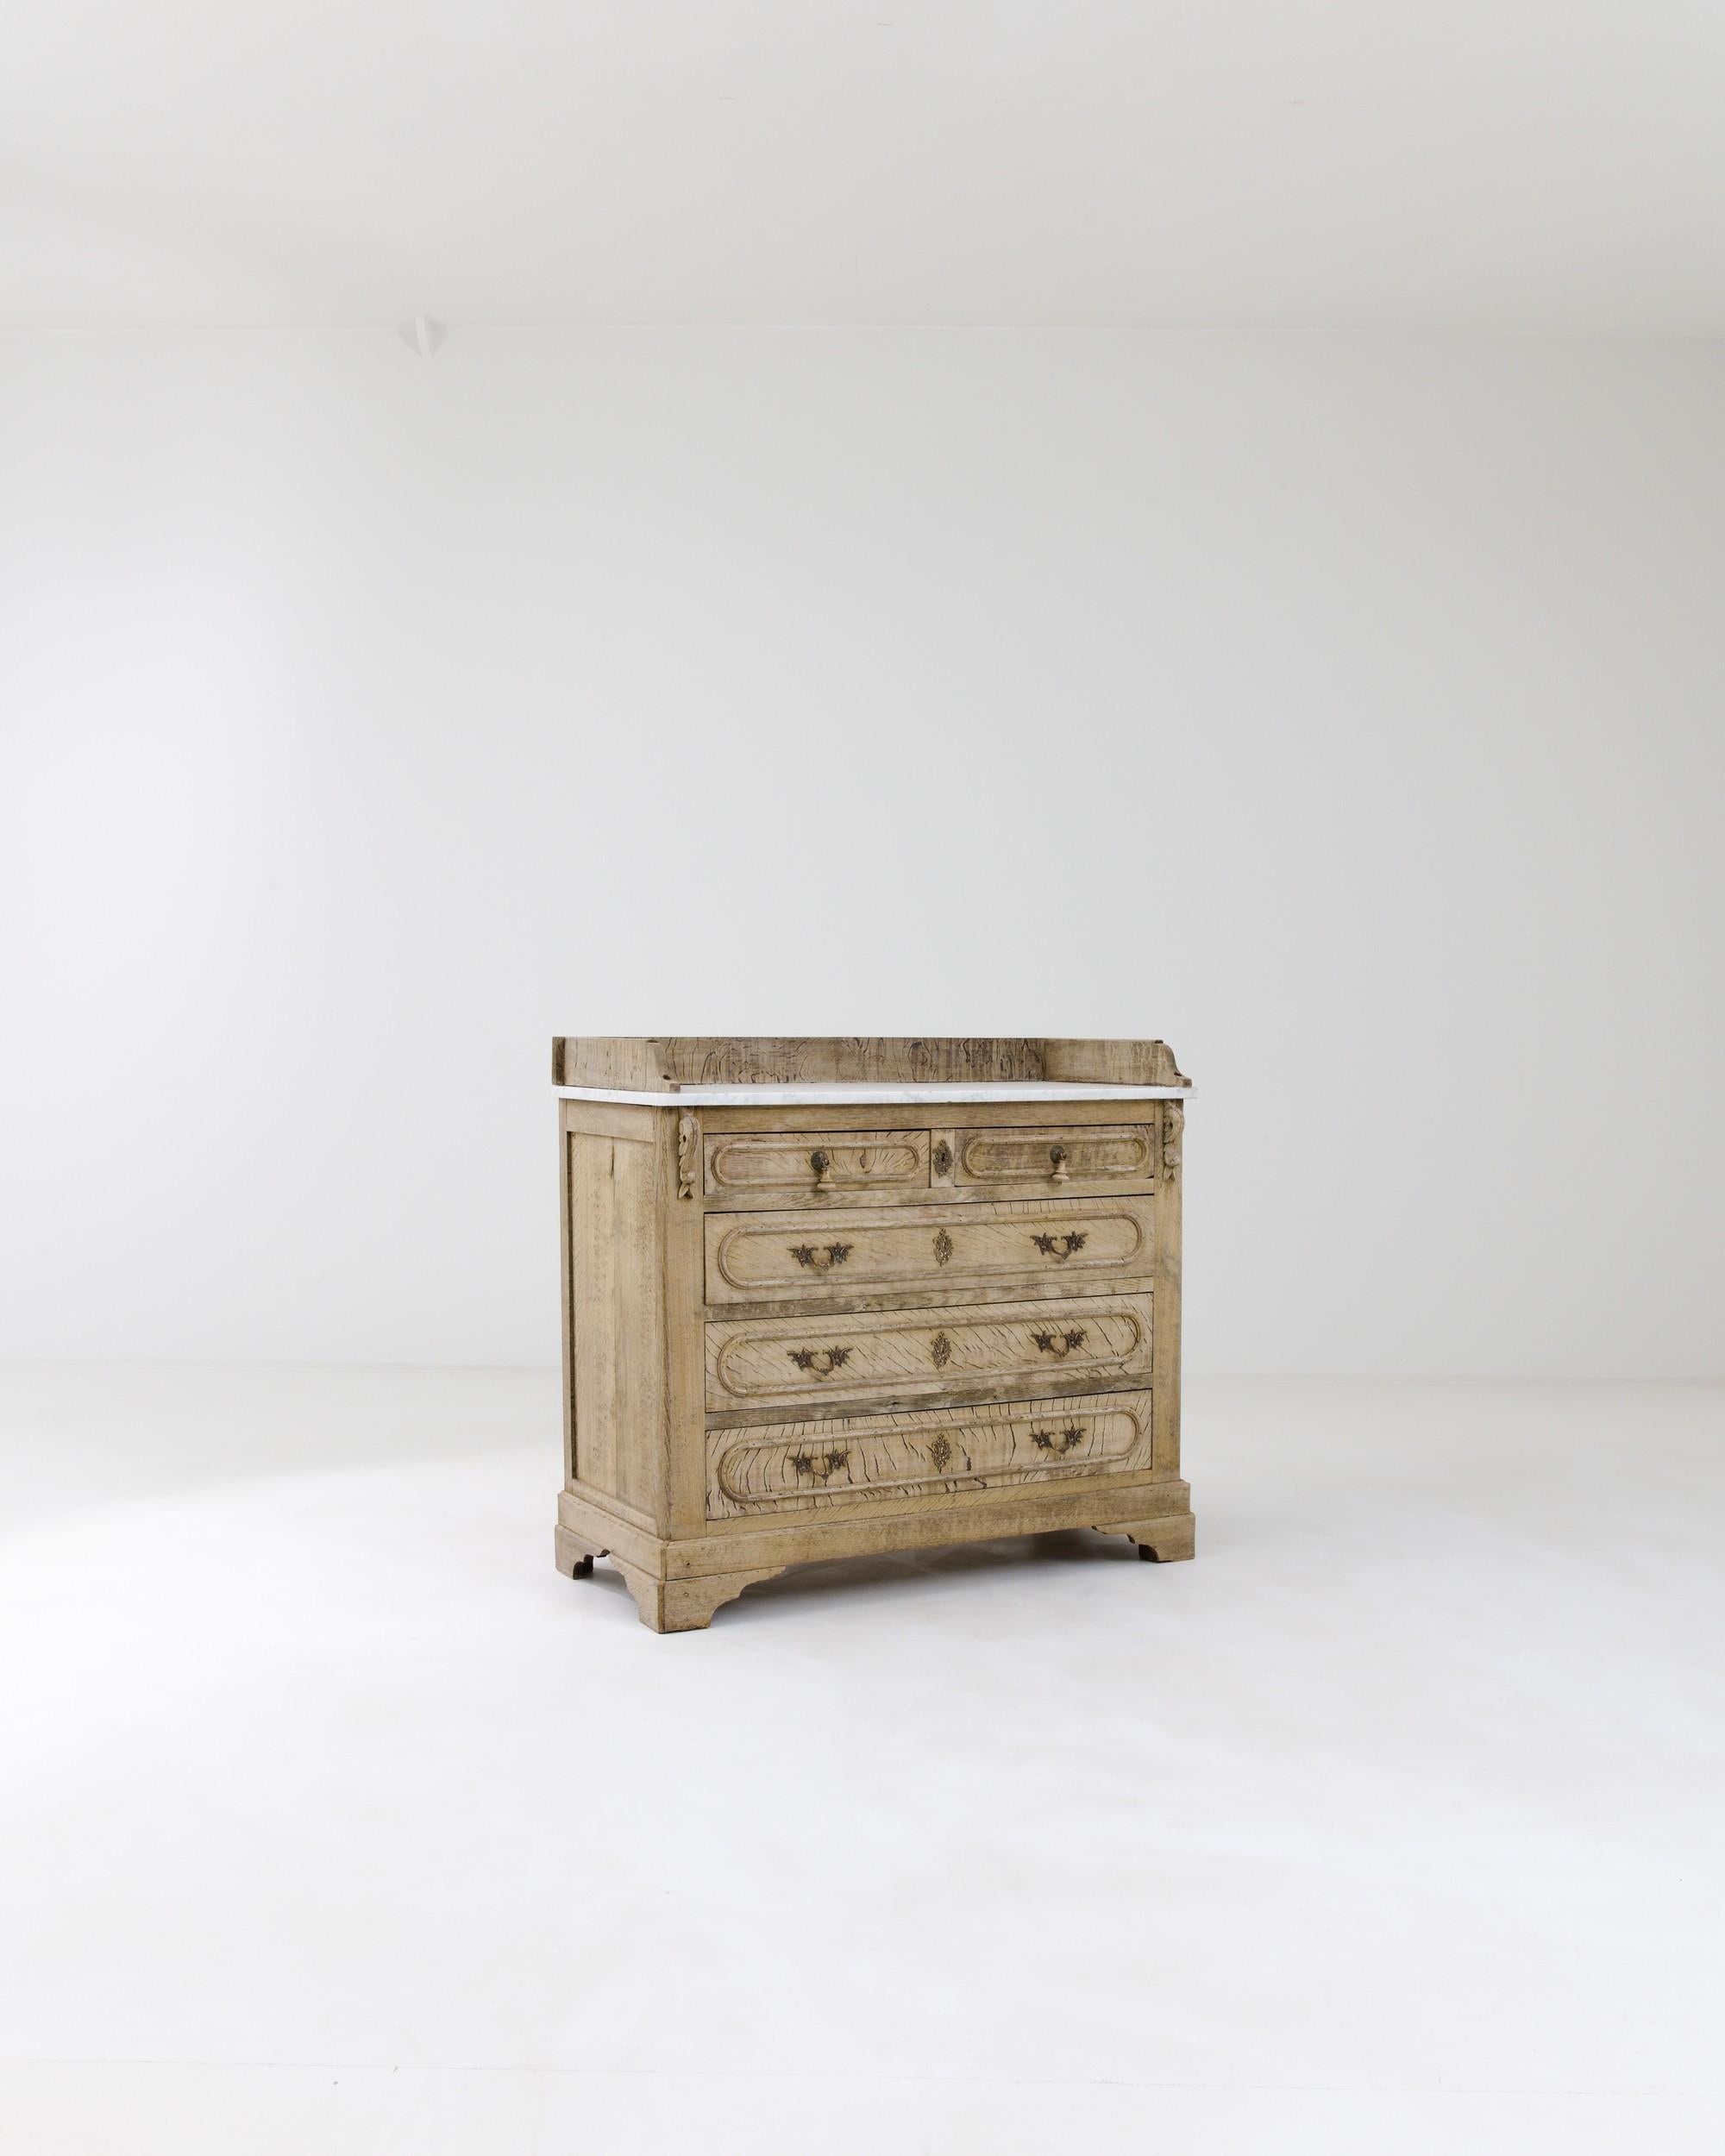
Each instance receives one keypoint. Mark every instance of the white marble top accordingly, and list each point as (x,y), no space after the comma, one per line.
(884,1096)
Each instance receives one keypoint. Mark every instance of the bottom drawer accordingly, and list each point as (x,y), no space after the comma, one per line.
(857,1459)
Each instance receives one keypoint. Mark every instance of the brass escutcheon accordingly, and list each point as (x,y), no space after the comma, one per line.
(1057,1443)
(1061,1345)
(822,1360)
(820,1465)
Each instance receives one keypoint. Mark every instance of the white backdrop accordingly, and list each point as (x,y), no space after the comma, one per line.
(1348,712)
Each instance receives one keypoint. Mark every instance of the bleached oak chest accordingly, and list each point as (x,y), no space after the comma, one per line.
(828,1297)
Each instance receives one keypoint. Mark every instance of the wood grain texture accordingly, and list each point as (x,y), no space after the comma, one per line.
(842,1461)
(651,1064)
(815,1166)
(611,1119)
(971,1514)
(686,1605)
(764,1256)
(573,1554)
(684,1262)
(824,1124)
(1005,1349)
(1165,1540)
(617,1319)
(1110,1063)
(1112,1155)
(940,1116)
(980,1360)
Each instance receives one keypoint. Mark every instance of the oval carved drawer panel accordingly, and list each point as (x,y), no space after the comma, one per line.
(785,1256)
(1123,1153)
(780,1361)
(809,1163)
(851,1460)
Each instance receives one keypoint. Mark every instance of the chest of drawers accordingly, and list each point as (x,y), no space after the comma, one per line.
(823,1298)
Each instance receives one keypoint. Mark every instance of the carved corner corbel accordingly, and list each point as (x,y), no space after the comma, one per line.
(689,1153)
(1173,1126)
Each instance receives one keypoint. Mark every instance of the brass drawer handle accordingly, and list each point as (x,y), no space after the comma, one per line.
(1057,1157)
(821,1465)
(1061,1345)
(821,1162)
(1057,1443)
(1060,1246)
(821,1259)
(822,1360)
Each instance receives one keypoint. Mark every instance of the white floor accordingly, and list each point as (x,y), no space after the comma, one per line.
(333,1820)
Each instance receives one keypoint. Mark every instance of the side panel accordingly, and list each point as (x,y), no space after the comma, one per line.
(615,1314)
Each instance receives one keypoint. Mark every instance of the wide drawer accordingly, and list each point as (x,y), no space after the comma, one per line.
(1117,1153)
(786,1257)
(777,1362)
(869,1459)
(810,1163)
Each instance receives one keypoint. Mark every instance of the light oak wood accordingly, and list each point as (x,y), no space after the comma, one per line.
(686,1605)
(947,1122)
(1122,1156)
(1106,1503)
(617,1318)
(647,1066)
(762,1256)
(825,1165)
(1165,1540)
(991,1349)
(808,1166)
(940,1115)
(1002,1352)
(574,1553)
(839,1462)
(665,1603)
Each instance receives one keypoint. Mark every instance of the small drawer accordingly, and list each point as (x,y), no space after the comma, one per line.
(854,1460)
(1111,1153)
(791,1165)
(778,1362)
(787,1256)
